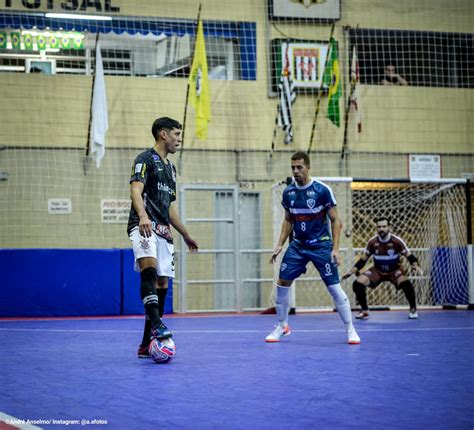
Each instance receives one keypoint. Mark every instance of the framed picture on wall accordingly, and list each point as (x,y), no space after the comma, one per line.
(304,59)
(46,67)
(325,10)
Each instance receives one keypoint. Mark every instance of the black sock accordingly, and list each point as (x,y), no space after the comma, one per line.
(409,291)
(359,291)
(161,292)
(146,333)
(148,295)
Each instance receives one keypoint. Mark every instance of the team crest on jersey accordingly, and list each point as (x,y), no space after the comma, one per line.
(283,267)
(292,202)
(156,158)
(144,244)
(311,203)
(391,252)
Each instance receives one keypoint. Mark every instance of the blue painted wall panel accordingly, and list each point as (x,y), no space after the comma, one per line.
(59,282)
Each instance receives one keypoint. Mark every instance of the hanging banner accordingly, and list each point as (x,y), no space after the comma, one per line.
(15,39)
(41,42)
(54,41)
(65,41)
(3,39)
(78,41)
(28,41)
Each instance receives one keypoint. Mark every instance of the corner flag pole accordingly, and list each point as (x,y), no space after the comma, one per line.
(318,101)
(187,88)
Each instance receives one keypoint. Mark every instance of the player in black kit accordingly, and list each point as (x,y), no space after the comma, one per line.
(153,190)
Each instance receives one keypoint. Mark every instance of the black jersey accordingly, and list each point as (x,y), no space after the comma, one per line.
(159,180)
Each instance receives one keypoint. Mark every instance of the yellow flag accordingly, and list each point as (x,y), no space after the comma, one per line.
(199,86)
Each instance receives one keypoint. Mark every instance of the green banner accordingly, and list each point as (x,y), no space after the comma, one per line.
(54,41)
(3,39)
(41,41)
(65,41)
(78,41)
(16,40)
(28,40)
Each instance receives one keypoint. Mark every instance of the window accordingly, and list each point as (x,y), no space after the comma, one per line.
(430,59)
(134,47)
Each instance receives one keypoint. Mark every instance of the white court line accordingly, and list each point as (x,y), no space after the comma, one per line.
(17,422)
(47,330)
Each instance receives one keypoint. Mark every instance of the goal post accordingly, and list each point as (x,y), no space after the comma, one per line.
(431,217)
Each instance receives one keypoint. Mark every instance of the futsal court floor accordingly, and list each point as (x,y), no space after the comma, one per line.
(404,375)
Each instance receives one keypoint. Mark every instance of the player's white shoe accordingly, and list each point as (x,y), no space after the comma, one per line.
(413,315)
(352,336)
(362,315)
(279,331)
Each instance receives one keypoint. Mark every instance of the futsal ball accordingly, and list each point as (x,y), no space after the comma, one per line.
(163,350)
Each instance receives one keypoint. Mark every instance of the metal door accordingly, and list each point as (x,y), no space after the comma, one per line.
(223,276)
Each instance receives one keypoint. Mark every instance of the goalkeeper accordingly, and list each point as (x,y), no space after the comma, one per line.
(386,249)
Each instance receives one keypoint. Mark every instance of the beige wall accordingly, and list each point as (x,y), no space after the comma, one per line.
(53,111)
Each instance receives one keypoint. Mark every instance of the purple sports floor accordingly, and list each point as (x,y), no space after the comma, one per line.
(405,374)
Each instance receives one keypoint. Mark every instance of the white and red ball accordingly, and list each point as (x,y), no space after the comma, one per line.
(163,350)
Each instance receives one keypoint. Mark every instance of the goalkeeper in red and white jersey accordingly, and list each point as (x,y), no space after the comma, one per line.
(386,250)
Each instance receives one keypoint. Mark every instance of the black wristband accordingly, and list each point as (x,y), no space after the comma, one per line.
(359,264)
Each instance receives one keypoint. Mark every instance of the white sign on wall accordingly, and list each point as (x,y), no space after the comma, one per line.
(59,206)
(304,9)
(424,167)
(115,211)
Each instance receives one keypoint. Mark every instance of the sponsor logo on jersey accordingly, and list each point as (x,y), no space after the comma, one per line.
(311,203)
(163,231)
(310,193)
(291,193)
(164,187)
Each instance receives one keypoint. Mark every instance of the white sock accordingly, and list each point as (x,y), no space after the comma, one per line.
(282,304)
(342,303)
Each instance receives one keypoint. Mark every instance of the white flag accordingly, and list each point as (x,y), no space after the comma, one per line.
(100,122)
(355,90)
(287,96)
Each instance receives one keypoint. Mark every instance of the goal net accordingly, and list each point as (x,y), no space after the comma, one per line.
(430,217)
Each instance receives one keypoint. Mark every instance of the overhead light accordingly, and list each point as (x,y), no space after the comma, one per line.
(78,16)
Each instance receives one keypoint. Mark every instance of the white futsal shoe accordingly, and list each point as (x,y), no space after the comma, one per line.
(413,315)
(352,336)
(280,330)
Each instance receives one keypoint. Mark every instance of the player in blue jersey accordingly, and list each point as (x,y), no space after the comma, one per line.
(309,206)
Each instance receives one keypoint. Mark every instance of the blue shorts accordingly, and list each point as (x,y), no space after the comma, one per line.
(297,257)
